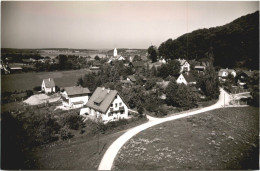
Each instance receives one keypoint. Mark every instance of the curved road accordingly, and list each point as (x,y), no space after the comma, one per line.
(108,158)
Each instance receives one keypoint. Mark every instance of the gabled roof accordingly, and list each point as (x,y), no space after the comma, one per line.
(49,83)
(182,61)
(76,90)
(189,77)
(132,78)
(248,73)
(103,97)
(138,64)
(199,67)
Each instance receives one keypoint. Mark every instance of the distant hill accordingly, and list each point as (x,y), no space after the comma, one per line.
(232,45)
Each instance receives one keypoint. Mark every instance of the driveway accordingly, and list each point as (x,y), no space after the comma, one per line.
(108,158)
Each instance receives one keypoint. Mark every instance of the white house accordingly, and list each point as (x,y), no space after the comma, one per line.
(223,73)
(186,78)
(48,85)
(185,66)
(106,104)
(75,97)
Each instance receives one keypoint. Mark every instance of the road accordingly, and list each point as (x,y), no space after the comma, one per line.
(110,155)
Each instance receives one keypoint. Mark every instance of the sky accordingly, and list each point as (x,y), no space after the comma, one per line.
(105,25)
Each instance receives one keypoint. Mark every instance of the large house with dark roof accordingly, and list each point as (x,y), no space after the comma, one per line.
(186,78)
(48,85)
(75,97)
(106,104)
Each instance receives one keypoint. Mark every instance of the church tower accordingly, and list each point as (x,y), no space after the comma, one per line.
(115,52)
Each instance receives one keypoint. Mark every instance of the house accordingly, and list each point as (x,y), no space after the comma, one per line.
(185,66)
(162,61)
(223,73)
(242,77)
(106,104)
(75,97)
(199,68)
(186,78)
(131,78)
(48,85)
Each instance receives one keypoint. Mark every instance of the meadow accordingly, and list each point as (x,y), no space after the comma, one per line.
(27,81)
(221,139)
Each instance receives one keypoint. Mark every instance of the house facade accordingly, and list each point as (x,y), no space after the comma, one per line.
(75,97)
(184,65)
(186,78)
(48,85)
(106,104)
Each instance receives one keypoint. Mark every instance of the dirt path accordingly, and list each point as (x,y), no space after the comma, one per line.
(108,158)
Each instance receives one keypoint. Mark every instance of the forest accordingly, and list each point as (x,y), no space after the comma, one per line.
(234,45)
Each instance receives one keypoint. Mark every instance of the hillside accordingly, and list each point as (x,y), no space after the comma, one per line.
(235,44)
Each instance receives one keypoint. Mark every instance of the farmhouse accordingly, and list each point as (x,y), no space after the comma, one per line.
(75,97)
(223,73)
(186,78)
(106,104)
(48,85)
(185,66)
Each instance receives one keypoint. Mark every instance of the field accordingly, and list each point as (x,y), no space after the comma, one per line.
(222,139)
(79,153)
(27,81)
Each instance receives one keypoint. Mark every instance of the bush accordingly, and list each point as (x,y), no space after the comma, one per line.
(29,93)
(73,121)
(161,112)
(37,88)
(65,133)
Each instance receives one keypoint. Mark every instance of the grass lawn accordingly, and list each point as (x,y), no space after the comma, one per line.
(220,139)
(79,153)
(27,81)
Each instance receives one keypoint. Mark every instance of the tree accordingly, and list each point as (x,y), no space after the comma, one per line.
(170,92)
(152,53)
(150,84)
(172,68)
(97,58)
(209,83)
(153,72)
(180,95)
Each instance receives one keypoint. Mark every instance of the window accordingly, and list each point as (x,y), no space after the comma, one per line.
(115,104)
(116,97)
(110,114)
(122,112)
(120,104)
(111,105)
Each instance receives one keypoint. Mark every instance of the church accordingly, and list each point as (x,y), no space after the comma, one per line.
(116,57)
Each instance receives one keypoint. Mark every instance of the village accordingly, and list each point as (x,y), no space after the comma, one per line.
(130,85)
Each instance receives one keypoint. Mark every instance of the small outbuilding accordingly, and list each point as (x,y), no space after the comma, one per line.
(48,85)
